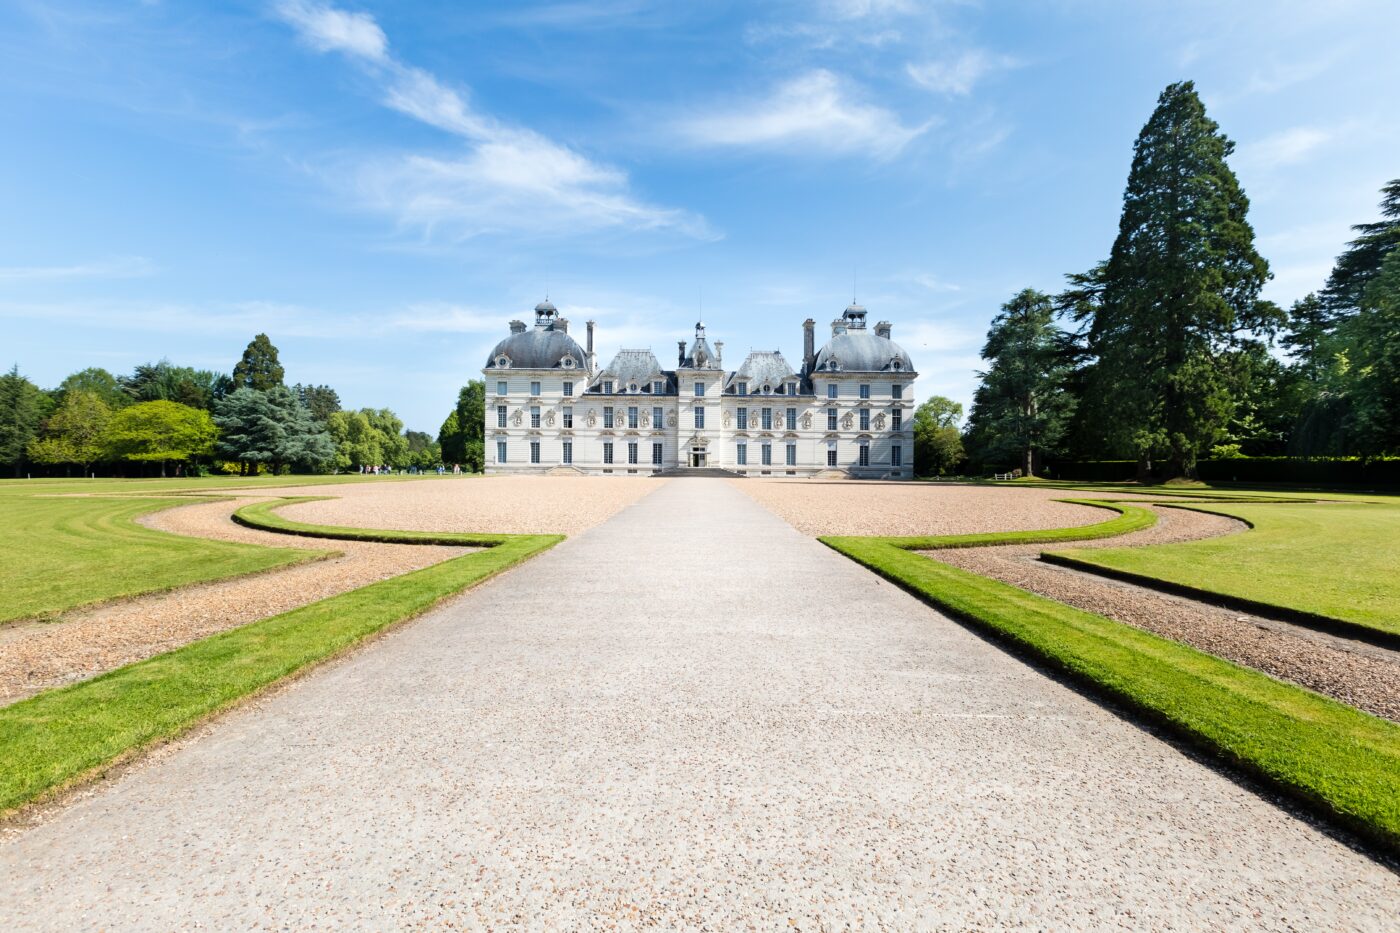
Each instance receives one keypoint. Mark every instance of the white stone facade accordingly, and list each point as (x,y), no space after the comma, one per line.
(848,409)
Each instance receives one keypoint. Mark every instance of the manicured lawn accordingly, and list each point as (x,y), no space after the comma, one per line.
(1342,762)
(57,738)
(60,553)
(1335,560)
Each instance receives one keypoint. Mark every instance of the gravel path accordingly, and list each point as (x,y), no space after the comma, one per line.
(38,655)
(489,504)
(691,716)
(844,507)
(1361,675)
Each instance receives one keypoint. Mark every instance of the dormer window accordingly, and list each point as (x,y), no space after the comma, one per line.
(658,388)
(607,387)
(502,362)
(567,362)
(741,388)
(896,365)
(632,387)
(767,390)
(792,388)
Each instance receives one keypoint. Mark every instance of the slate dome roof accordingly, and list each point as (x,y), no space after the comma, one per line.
(542,347)
(855,349)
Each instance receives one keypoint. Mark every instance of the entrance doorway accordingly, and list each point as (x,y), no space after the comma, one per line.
(697,457)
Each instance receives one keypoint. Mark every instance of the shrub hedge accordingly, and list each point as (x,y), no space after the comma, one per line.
(1317,471)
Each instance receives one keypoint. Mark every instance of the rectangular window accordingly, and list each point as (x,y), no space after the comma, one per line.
(534,389)
(767,419)
(568,388)
(792,419)
(607,416)
(502,389)
(831,456)
(534,416)
(568,414)
(897,420)
(897,390)
(607,387)
(657,419)
(865,419)
(741,388)
(656,451)
(767,454)
(792,388)
(632,417)
(534,451)
(896,455)
(607,451)
(500,416)
(831,419)
(632,452)
(865,390)
(743,418)
(699,388)
(865,455)
(568,451)
(741,454)
(831,390)
(500,451)
(792,455)
(699,417)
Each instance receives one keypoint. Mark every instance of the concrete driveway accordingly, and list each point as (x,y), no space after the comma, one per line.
(690,716)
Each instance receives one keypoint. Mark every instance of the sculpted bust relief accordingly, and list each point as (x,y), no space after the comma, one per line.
(806,421)
(515,418)
(880,421)
(592,418)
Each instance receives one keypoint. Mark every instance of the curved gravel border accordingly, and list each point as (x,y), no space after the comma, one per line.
(41,655)
(1357,674)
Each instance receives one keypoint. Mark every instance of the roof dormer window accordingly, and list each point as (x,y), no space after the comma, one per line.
(502,362)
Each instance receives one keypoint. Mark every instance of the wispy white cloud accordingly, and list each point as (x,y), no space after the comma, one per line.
(1286,147)
(511,180)
(958,74)
(126,267)
(328,29)
(817,112)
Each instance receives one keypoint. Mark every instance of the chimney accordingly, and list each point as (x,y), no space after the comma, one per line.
(517,327)
(592,360)
(561,324)
(681,360)
(882,329)
(719,352)
(809,345)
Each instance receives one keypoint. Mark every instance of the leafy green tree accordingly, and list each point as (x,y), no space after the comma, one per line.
(1180,289)
(356,441)
(1305,337)
(76,433)
(22,408)
(1269,398)
(166,382)
(271,427)
(259,368)
(100,383)
(938,446)
(1361,262)
(161,432)
(392,444)
(1022,408)
(463,434)
(321,401)
(1372,375)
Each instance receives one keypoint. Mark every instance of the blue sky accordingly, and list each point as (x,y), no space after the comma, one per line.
(382,186)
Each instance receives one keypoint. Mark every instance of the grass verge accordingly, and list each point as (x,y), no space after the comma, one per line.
(1342,763)
(63,736)
(1326,564)
(63,553)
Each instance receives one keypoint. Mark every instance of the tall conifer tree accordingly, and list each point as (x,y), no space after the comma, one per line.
(1180,288)
(259,369)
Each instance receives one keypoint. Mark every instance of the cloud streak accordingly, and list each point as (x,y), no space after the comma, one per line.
(958,75)
(126,267)
(511,180)
(816,113)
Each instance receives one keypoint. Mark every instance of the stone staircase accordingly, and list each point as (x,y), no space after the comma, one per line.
(715,472)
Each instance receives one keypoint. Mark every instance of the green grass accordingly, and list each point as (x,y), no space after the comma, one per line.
(1342,762)
(1338,562)
(57,554)
(62,736)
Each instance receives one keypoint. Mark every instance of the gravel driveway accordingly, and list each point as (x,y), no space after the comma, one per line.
(691,716)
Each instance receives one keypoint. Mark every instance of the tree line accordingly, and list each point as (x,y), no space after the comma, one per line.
(1163,353)
(162,417)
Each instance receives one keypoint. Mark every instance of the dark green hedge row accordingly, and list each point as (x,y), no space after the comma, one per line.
(1321,471)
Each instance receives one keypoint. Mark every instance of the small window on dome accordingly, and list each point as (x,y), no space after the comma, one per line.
(632,387)
(895,365)
(568,362)
(767,390)
(502,362)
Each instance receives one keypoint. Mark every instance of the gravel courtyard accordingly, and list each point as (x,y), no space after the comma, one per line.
(842,507)
(500,504)
(691,716)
